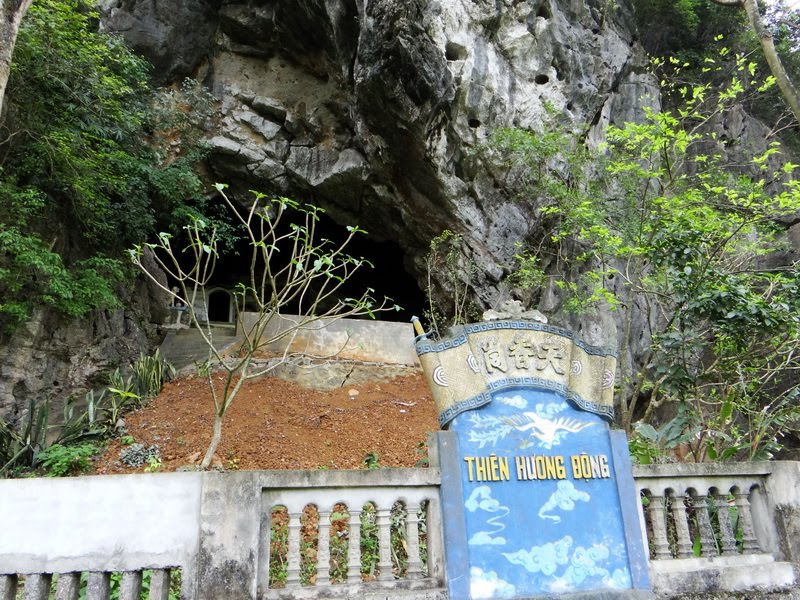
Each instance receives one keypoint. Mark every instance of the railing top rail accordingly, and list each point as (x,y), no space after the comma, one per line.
(705,470)
(366,478)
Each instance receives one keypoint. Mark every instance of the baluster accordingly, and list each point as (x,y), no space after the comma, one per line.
(384,521)
(98,586)
(8,587)
(354,547)
(293,551)
(412,529)
(323,548)
(37,586)
(159,584)
(131,586)
(68,586)
(678,507)
(708,545)
(728,541)
(749,541)
(658,517)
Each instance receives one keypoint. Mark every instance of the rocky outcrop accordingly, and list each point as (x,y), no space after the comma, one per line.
(51,358)
(372,108)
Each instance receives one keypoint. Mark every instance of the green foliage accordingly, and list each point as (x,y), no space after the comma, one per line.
(446,261)
(339,544)
(32,270)
(690,33)
(660,227)
(21,447)
(154,464)
(684,27)
(150,373)
(38,441)
(59,460)
(83,162)
(372,460)
(115,585)
(649,445)
(370,543)
(278,546)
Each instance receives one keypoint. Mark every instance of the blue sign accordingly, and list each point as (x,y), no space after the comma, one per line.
(541,505)
(537,491)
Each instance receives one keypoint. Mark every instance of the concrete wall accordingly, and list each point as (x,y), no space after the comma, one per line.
(213,525)
(783,502)
(111,523)
(354,339)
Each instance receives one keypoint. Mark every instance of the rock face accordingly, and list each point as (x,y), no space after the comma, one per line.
(373,108)
(50,359)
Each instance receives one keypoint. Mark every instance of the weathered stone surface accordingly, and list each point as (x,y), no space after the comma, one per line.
(371,109)
(176,36)
(51,359)
(374,110)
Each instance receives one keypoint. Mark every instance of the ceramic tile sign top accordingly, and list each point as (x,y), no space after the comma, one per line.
(538,501)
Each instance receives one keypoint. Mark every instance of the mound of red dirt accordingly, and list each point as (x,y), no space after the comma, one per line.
(278,424)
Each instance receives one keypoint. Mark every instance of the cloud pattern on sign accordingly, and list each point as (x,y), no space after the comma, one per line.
(581,564)
(550,409)
(544,559)
(481,499)
(486,584)
(563,498)
(515,401)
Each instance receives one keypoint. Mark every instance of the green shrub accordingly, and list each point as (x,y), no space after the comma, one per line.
(60,461)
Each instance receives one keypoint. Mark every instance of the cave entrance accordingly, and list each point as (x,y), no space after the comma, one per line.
(387,277)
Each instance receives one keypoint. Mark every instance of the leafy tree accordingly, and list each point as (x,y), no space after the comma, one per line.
(82,171)
(659,226)
(685,28)
(765,39)
(290,269)
(688,30)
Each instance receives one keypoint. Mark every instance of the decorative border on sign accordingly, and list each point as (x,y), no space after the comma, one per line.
(484,398)
(452,411)
(424,346)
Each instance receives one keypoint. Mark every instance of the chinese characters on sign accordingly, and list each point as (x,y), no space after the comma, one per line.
(524,355)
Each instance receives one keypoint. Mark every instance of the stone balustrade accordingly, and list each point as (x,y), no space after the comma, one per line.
(346,541)
(128,585)
(705,515)
(711,520)
(367,534)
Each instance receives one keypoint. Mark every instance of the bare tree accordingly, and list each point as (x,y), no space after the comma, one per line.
(11,13)
(764,36)
(289,268)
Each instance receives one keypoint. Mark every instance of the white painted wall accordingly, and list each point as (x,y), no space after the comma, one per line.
(106,523)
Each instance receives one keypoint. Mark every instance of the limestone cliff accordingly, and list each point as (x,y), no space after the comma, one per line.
(371,108)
